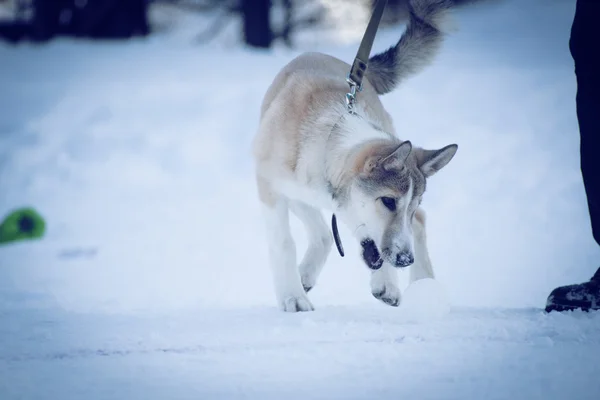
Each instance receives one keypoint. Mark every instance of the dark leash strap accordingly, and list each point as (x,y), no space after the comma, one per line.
(354,79)
(359,66)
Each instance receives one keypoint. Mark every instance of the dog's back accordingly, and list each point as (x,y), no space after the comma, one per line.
(307,94)
(310,72)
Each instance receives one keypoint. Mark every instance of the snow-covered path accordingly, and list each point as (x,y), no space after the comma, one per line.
(333,353)
(152,281)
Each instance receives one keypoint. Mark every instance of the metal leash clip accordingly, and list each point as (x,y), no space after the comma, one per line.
(351,96)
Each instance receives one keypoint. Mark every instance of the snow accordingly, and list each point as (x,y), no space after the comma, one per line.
(152,281)
(425,300)
(332,353)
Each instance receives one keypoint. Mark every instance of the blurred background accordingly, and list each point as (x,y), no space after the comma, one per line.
(264,22)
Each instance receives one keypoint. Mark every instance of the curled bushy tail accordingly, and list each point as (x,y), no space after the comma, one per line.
(416,48)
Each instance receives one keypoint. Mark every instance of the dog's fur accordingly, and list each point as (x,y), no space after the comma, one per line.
(311,154)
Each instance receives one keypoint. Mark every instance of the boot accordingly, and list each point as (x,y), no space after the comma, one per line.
(584,296)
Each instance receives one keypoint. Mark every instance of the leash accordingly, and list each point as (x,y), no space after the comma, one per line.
(354,79)
(360,64)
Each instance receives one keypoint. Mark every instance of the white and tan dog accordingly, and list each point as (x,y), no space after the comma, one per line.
(311,154)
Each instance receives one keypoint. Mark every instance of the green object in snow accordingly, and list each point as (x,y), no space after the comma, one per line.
(22,224)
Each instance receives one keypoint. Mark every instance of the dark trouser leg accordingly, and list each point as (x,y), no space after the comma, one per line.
(45,24)
(585,49)
(585,35)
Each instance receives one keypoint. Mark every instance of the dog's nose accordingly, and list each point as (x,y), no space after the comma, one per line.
(404,259)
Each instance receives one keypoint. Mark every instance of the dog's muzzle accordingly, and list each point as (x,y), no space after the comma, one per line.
(401,259)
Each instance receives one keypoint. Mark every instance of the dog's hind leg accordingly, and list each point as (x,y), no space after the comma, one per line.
(291,296)
(319,243)
(422,267)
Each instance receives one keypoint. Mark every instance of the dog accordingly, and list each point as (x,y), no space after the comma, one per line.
(311,154)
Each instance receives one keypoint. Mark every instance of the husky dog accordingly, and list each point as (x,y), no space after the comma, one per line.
(312,154)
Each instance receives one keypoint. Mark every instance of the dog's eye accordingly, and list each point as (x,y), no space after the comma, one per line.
(389,203)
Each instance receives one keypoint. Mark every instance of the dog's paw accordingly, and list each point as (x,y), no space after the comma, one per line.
(307,288)
(296,303)
(387,293)
(308,281)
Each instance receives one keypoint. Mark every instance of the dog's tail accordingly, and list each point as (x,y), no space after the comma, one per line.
(416,48)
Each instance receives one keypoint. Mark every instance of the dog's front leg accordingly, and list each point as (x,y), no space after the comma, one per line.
(282,256)
(422,267)
(384,279)
(319,243)
(384,285)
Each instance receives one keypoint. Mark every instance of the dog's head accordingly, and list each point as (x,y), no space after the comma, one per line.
(383,197)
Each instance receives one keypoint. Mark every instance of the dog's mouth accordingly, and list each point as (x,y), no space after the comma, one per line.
(370,254)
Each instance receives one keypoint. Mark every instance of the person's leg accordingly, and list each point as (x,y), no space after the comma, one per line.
(584,42)
(585,36)
(45,23)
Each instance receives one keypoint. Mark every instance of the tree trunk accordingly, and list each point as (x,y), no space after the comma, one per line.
(257,26)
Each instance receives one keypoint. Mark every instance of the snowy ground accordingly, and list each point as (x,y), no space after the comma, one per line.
(152,282)
(335,353)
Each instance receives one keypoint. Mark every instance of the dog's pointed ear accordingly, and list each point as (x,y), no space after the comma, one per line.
(396,160)
(431,161)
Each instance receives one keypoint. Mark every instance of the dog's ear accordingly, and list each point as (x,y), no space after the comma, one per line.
(431,161)
(395,161)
